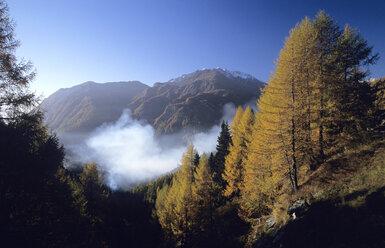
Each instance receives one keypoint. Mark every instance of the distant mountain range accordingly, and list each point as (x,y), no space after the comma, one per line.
(193,100)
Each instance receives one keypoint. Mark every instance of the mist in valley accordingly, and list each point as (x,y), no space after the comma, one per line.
(129,151)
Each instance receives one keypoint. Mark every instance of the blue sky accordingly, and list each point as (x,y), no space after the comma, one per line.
(74,41)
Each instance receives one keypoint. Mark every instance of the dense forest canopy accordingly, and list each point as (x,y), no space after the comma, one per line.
(315,143)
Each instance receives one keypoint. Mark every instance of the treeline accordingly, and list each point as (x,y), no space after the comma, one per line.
(318,103)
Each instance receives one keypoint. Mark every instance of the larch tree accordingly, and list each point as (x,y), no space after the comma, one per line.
(236,120)
(234,168)
(351,93)
(260,177)
(316,94)
(286,118)
(174,209)
(205,192)
(164,207)
(327,33)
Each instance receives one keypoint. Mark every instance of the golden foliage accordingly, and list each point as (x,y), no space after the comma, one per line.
(234,165)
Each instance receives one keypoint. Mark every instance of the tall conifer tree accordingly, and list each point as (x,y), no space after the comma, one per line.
(234,168)
(15,76)
(206,194)
(224,141)
(174,209)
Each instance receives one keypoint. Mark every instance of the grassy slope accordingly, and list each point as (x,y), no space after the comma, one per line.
(347,205)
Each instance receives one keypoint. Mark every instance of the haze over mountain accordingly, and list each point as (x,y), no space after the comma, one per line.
(194,101)
(86,106)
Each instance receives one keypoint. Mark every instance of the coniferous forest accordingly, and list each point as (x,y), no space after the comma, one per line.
(305,170)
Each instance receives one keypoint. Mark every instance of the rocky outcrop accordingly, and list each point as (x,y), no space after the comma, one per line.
(298,208)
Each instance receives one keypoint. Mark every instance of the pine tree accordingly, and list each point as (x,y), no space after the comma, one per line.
(212,162)
(196,160)
(222,150)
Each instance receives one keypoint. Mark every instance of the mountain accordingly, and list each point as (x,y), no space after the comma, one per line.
(194,101)
(86,106)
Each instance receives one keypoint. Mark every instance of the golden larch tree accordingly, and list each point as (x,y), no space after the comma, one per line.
(206,193)
(233,174)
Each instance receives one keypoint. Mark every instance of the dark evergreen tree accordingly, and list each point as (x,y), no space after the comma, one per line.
(35,205)
(351,96)
(196,160)
(378,109)
(218,165)
(15,76)
(211,161)
(41,203)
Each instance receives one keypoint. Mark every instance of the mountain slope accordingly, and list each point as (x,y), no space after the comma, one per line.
(193,101)
(86,106)
(345,200)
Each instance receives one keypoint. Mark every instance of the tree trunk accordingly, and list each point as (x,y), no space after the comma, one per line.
(293,176)
(321,127)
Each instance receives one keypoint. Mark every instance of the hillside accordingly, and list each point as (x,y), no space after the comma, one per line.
(342,205)
(344,202)
(305,170)
(192,101)
(86,106)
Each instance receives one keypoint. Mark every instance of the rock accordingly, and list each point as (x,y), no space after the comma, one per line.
(298,208)
(270,222)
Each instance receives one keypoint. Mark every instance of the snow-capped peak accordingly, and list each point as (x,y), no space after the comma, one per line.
(179,79)
(227,73)
(234,74)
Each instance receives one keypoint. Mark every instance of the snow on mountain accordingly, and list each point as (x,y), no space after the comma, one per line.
(227,73)
(234,74)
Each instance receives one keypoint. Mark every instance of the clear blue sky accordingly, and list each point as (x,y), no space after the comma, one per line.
(74,41)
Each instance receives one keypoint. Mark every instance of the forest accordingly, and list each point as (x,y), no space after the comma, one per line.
(313,151)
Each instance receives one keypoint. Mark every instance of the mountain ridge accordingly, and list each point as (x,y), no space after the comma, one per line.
(74,108)
(193,100)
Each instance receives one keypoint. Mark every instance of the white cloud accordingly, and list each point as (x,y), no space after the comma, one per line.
(129,151)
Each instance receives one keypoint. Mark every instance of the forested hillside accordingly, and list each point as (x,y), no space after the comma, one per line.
(315,142)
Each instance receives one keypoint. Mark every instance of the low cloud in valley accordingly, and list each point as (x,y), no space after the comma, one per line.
(129,151)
